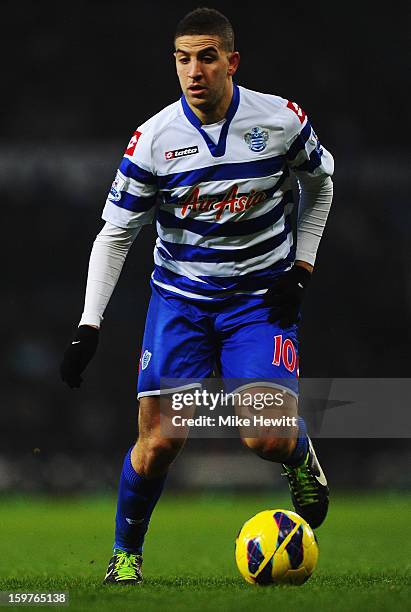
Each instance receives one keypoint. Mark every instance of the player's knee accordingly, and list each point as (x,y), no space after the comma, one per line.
(271,448)
(155,454)
(163,448)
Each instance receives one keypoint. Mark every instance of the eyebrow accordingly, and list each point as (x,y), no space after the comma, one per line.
(202,51)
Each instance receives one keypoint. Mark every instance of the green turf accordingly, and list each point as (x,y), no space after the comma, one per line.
(65,545)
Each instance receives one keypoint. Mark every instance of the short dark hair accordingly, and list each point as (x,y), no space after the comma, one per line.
(205,20)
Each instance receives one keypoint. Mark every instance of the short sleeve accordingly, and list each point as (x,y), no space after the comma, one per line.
(304,152)
(131,201)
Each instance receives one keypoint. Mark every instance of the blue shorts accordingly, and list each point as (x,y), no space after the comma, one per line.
(186,339)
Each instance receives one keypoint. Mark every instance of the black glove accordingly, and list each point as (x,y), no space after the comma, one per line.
(78,354)
(285,296)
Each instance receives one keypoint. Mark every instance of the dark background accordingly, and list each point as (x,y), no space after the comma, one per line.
(78,78)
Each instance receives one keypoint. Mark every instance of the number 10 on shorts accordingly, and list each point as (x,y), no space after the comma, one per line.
(284,351)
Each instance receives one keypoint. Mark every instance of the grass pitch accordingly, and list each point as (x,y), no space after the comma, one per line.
(65,545)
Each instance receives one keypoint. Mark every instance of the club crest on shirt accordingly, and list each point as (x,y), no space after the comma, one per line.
(256,139)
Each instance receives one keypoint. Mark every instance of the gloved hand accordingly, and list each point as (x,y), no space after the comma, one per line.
(285,296)
(78,354)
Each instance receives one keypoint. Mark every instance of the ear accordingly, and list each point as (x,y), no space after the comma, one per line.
(233,62)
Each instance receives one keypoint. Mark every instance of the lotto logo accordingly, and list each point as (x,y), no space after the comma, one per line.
(297,109)
(181,152)
(133,143)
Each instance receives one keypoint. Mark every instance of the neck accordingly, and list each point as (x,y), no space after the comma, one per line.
(219,111)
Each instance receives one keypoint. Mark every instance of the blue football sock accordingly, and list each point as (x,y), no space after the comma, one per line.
(137,497)
(299,453)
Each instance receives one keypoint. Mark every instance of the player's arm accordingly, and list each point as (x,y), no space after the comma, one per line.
(107,258)
(129,206)
(313,166)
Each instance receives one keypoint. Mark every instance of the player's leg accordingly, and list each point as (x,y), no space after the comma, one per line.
(176,349)
(285,441)
(144,473)
(273,433)
(253,349)
(142,479)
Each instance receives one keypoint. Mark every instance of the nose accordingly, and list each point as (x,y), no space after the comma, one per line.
(194,70)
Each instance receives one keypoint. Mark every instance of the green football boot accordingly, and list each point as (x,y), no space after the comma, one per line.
(124,568)
(308,488)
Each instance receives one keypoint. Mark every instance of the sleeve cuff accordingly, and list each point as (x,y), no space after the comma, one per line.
(91,319)
(306,256)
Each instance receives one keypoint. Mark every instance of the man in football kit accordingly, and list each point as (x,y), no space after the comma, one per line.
(213,168)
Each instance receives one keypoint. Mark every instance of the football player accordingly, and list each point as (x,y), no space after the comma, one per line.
(214,170)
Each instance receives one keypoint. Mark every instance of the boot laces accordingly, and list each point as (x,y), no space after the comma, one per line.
(302,484)
(126,565)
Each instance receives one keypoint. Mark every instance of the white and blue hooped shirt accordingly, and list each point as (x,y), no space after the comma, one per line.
(221,194)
